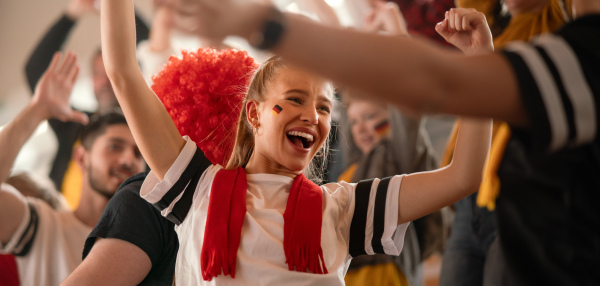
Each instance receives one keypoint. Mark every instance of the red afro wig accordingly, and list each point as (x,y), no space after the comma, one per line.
(203,93)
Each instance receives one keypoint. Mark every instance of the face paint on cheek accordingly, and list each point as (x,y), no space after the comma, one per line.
(276,110)
(383,128)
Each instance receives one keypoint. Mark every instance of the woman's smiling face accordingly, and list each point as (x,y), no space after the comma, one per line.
(366,121)
(293,121)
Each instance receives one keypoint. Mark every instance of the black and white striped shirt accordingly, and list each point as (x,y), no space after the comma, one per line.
(548,214)
(559,80)
(357,219)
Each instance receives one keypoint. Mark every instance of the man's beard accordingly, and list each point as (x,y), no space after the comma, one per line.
(98,187)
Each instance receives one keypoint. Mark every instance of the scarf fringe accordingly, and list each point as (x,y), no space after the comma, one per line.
(216,263)
(302,257)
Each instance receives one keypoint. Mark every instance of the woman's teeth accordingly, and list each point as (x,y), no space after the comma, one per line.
(307,136)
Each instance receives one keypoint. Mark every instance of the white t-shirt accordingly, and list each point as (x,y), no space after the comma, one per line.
(56,247)
(260,256)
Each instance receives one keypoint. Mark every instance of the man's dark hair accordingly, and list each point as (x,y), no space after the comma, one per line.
(98,124)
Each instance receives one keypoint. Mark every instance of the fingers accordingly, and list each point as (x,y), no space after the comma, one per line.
(79,117)
(72,76)
(462,19)
(443,30)
(69,63)
(54,62)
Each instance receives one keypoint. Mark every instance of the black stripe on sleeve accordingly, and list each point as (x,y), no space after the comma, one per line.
(182,207)
(532,99)
(359,219)
(566,102)
(379,215)
(29,234)
(195,164)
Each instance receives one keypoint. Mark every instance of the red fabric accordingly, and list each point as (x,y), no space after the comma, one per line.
(203,93)
(226,210)
(301,233)
(9,275)
(222,233)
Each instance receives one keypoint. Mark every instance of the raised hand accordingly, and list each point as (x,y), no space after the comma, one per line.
(54,89)
(386,16)
(78,8)
(467,29)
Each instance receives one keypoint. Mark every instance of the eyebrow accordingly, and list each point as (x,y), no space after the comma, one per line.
(326,99)
(117,140)
(306,93)
(296,90)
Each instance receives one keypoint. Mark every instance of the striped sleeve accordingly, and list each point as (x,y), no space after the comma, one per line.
(23,237)
(557,92)
(173,196)
(374,227)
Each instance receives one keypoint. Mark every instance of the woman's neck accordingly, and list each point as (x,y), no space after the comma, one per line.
(259,164)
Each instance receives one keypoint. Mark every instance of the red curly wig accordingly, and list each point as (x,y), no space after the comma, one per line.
(203,92)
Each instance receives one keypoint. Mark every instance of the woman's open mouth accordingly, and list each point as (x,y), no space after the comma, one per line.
(301,140)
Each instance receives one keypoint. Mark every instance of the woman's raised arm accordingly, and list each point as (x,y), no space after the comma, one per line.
(152,127)
(424,193)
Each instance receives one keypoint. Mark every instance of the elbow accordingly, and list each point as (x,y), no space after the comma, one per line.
(465,181)
(470,181)
(473,185)
(119,76)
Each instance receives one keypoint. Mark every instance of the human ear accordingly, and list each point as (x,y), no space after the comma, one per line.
(252,113)
(80,157)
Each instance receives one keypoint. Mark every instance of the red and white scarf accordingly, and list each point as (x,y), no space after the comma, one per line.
(227,207)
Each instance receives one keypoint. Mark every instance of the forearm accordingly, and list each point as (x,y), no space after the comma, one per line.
(14,135)
(152,127)
(380,59)
(423,193)
(52,42)
(471,152)
(407,72)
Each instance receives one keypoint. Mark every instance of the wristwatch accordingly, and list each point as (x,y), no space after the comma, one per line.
(272,31)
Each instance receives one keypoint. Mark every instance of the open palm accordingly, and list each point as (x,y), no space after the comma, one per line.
(54,89)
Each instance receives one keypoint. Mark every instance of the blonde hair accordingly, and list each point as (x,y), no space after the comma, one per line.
(244,139)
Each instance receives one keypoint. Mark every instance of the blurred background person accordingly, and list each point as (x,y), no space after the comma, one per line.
(383,142)
(47,243)
(64,172)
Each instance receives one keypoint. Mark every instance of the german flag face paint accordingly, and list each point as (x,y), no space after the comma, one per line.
(383,128)
(276,110)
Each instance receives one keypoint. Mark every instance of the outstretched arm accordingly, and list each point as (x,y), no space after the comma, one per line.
(408,72)
(152,127)
(424,193)
(53,40)
(51,100)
